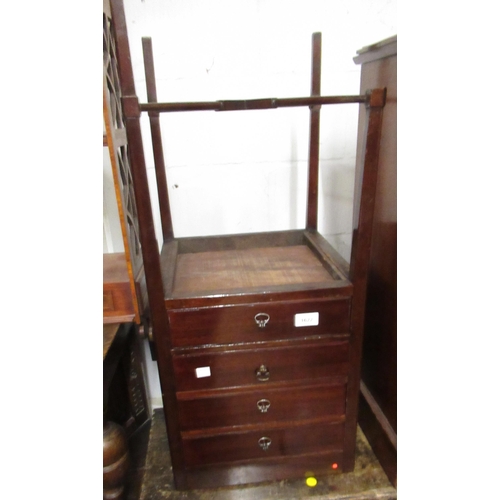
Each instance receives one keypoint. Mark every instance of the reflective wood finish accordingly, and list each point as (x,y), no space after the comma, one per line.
(258,406)
(263,444)
(239,365)
(242,348)
(118,296)
(239,323)
(378,400)
(209,294)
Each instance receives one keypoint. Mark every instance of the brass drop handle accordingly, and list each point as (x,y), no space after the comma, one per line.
(262,319)
(262,373)
(263,405)
(264,443)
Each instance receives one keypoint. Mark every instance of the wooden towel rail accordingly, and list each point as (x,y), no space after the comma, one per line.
(251,104)
(211,298)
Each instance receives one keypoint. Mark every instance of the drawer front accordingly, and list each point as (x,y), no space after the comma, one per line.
(262,406)
(270,443)
(213,370)
(108,302)
(257,322)
(117,300)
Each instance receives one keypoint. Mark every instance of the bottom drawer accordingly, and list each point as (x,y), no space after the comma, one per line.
(233,447)
(257,471)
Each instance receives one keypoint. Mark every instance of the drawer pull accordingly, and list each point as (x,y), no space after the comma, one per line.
(261,319)
(262,373)
(264,443)
(263,405)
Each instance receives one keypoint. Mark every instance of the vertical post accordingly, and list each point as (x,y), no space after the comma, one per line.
(360,256)
(312,192)
(154,121)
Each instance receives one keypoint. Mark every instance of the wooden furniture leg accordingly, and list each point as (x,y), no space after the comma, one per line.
(116,461)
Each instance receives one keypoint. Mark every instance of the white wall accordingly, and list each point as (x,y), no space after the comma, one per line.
(239,172)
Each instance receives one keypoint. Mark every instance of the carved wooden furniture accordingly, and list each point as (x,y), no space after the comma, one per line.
(125,299)
(125,295)
(378,397)
(116,461)
(258,336)
(125,304)
(126,410)
(116,457)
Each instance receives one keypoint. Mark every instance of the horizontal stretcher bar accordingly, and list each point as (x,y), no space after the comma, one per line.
(268,103)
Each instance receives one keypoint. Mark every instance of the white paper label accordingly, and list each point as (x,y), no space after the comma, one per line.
(203,371)
(307,319)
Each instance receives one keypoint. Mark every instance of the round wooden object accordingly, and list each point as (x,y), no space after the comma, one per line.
(115,461)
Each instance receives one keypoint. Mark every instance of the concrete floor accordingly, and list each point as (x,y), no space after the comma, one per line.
(367,481)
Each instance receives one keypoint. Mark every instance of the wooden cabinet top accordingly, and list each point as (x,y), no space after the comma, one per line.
(379,50)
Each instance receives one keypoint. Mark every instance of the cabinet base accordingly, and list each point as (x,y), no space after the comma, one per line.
(367,480)
(319,464)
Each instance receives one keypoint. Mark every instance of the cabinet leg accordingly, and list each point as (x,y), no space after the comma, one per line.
(116,461)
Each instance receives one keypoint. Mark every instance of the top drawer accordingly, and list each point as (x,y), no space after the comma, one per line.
(258,322)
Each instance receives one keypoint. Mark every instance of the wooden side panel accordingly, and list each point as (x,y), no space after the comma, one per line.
(360,254)
(379,368)
(240,241)
(378,419)
(380,440)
